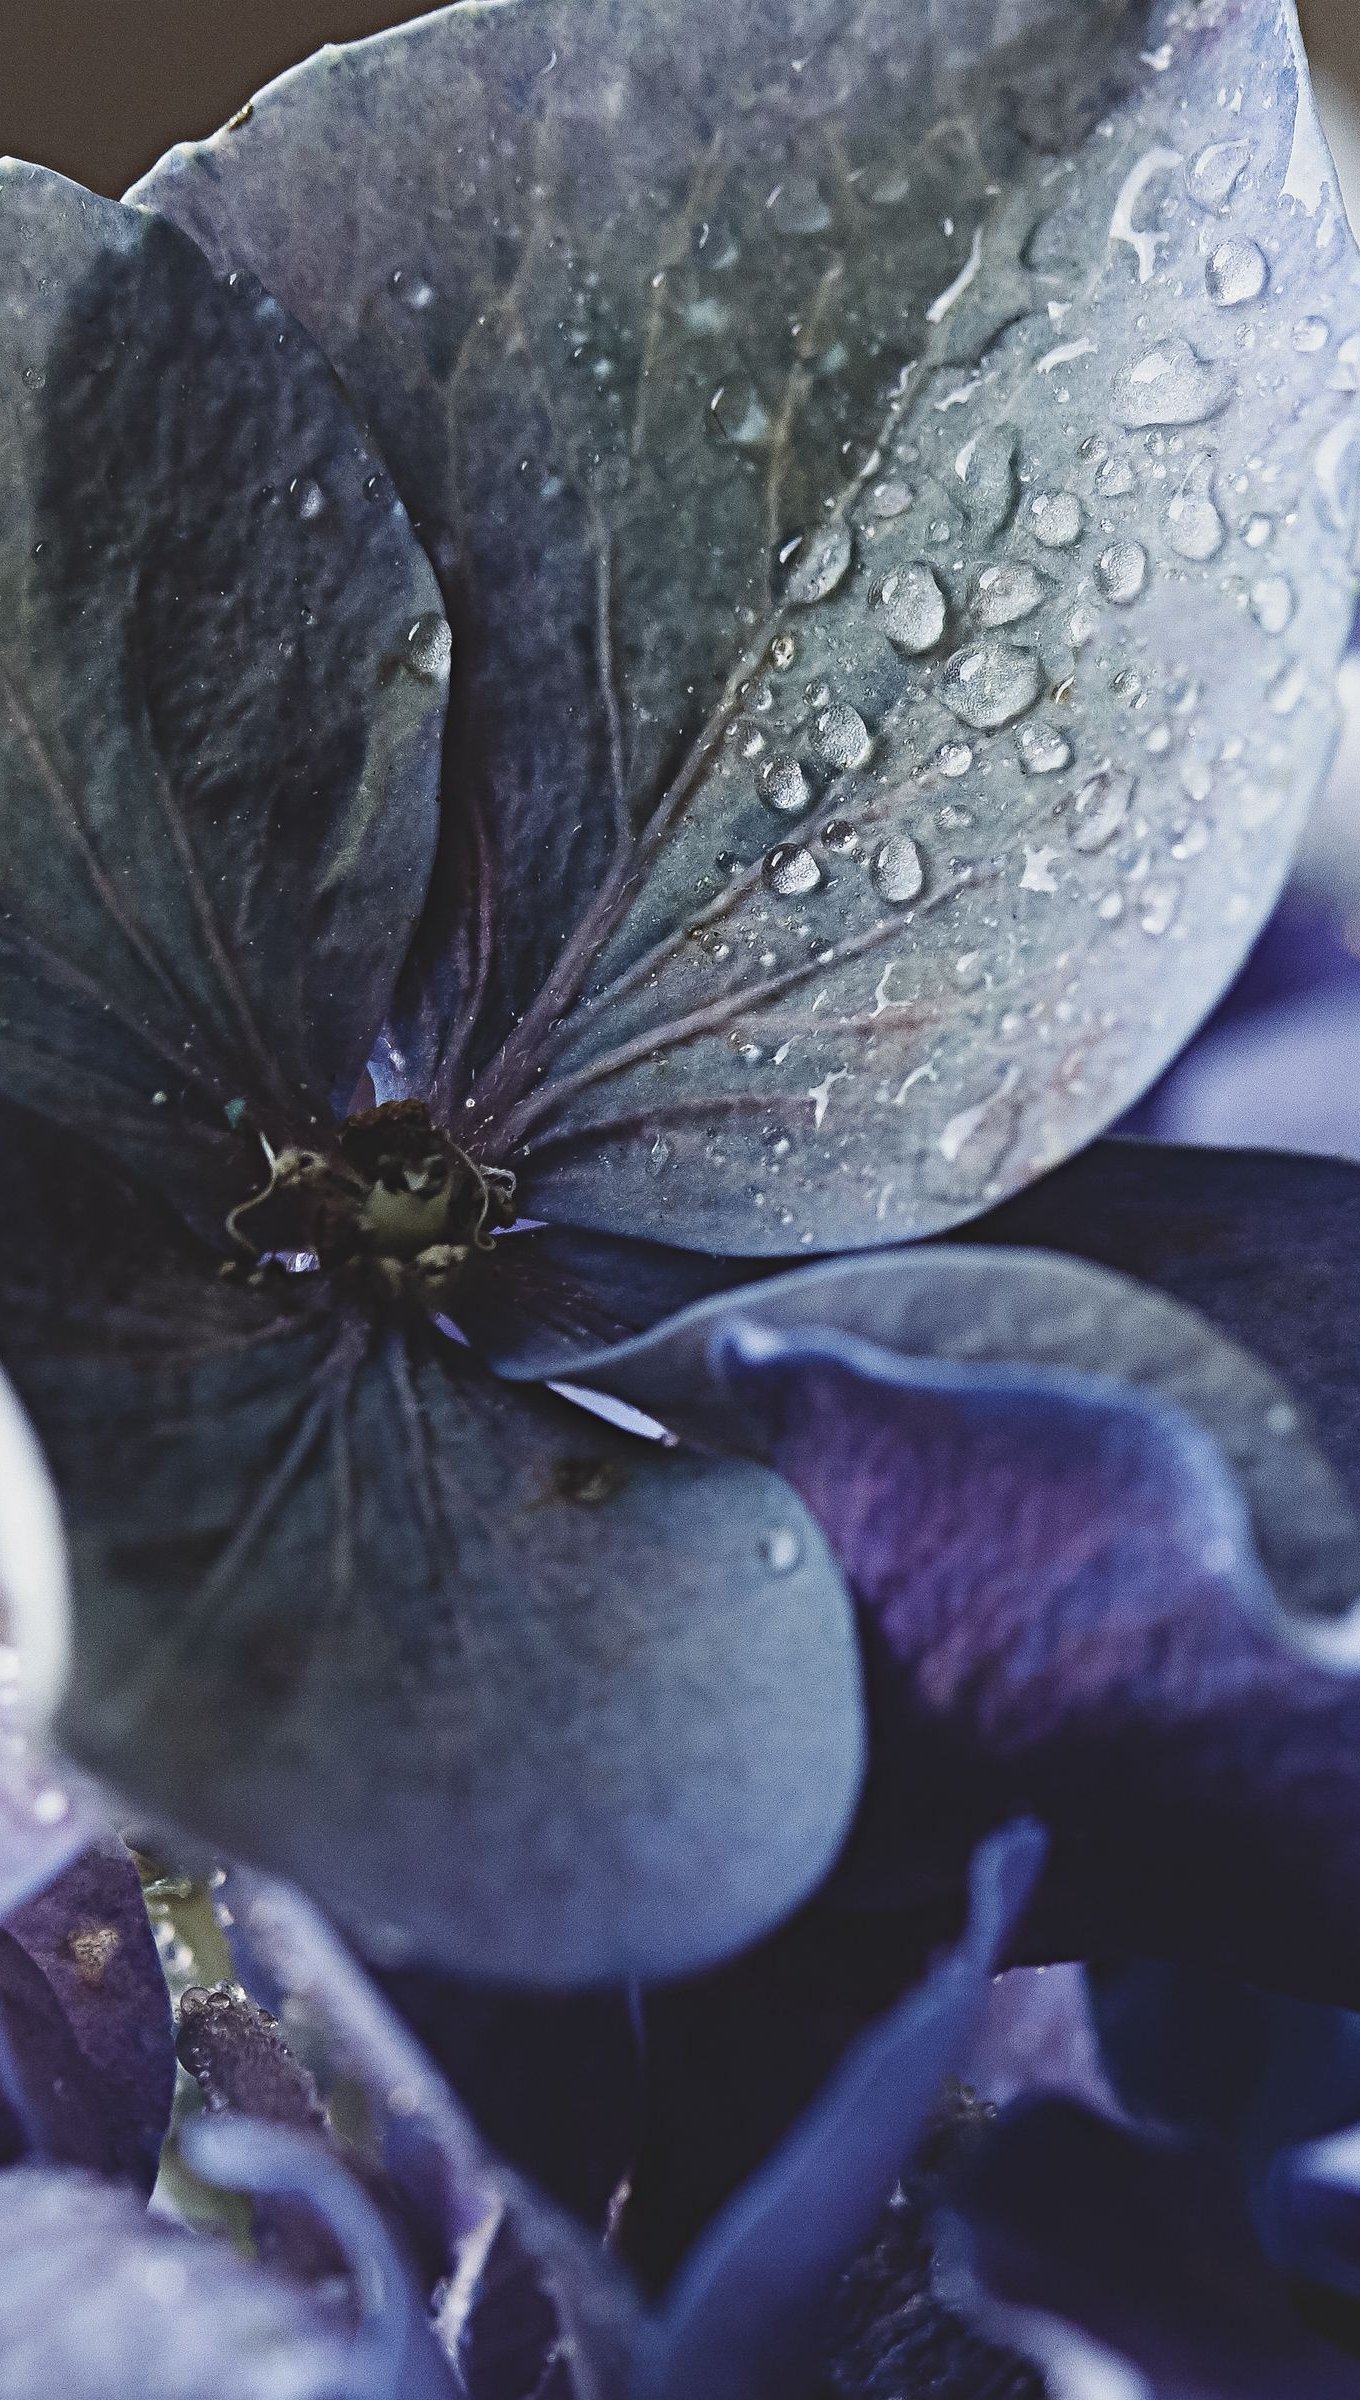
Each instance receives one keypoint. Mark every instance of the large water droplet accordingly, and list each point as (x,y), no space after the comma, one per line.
(821,563)
(1043,750)
(1004,594)
(1170,385)
(897,870)
(783,785)
(913,608)
(1237,271)
(1272,602)
(991,685)
(792,871)
(988,479)
(307,497)
(1195,527)
(796,206)
(953,759)
(783,652)
(1311,334)
(1100,809)
(1213,175)
(1122,572)
(842,736)
(429,648)
(1056,518)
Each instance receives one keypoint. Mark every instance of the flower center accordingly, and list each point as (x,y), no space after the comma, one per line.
(396,1201)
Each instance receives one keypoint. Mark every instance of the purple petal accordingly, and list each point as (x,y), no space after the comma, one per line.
(743,2320)
(223,667)
(1145,2248)
(788,895)
(1263,1244)
(1064,1615)
(89,1935)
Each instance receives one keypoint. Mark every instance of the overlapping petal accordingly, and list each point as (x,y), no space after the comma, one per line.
(882,477)
(1064,1613)
(222,681)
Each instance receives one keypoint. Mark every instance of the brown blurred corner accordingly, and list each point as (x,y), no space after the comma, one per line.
(98,88)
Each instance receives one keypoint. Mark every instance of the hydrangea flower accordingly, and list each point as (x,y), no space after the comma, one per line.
(653,660)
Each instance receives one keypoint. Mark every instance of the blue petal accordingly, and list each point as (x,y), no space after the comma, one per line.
(218,738)
(744,2319)
(826,511)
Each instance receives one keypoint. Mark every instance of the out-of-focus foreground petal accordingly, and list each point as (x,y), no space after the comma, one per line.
(98,2297)
(1064,1614)
(881,477)
(747,2317)
(509,1690)
(222,679)
(102,2009)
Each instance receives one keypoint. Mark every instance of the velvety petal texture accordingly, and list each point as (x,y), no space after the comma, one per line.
(892,484)
(222,680)
(1064,1612)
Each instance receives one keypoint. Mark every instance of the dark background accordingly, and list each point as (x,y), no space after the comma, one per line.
(99,88)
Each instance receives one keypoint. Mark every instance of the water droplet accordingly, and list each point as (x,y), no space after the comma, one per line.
(1191,840)
(1100,809)
(736,413)
(1004,594)
(307,497)
(840,837)
(658,1155)
(781,1550)
(1170,385)
(820,564)
(745,738)
(913,608)
(897,870)
(1214,174)
(783,651)
(1157,906)
(1272,602)
(792,871)
(1115,479)
(1122,572)
(891,498)
(1195,527)
(991,685)
(783,785)
(1237,271)
(51,1805)
(842,736)
(1111,908)
(796,206)
(953,758)
(1312,333)
(1043,750)
(1257,532)
(429,647)
(988,478)
(1057,519)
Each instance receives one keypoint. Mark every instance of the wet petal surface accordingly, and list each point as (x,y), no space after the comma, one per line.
(217,745)
(894,509)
